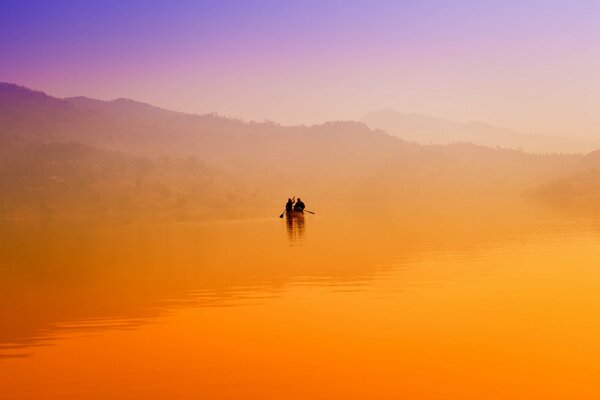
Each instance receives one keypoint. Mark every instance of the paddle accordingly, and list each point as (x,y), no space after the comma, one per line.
(281,216)
(309,212)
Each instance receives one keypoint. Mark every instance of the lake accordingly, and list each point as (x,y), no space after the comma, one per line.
(498,303)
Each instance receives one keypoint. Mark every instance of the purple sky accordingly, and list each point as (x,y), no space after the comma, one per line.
(528,65)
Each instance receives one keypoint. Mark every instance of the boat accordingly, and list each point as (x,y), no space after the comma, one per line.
(294,214)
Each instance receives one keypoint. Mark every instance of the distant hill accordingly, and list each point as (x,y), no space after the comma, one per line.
(578,187)
(61,156)
(145,130)
(59,179)
(430,130)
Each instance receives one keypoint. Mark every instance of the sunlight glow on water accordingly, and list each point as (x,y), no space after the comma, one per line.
(326,308)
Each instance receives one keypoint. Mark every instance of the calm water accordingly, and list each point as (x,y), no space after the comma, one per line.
(496,305)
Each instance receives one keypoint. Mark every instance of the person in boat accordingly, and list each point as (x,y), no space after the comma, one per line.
(299,206)
(289,206)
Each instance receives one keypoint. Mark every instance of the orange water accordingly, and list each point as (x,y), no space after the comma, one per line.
(344,307)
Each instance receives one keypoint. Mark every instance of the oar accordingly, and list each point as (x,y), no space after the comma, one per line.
(309,212)
(281,216)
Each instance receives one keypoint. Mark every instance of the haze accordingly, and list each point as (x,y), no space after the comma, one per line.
(447,154)
(529,66)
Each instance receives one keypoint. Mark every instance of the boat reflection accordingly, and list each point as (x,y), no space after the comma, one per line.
(295,226)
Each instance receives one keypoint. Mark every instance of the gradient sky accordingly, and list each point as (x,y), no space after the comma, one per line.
(528,65)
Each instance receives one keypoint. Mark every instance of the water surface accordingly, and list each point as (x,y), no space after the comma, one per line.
(494,305)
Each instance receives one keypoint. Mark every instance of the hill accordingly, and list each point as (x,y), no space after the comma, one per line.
(578,187)
(71,155)
(430,130)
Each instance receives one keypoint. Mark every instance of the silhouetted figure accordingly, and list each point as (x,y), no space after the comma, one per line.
(299,206)
(289,206)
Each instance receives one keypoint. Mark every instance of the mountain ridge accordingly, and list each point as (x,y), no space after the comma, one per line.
(243,167)
(424,129)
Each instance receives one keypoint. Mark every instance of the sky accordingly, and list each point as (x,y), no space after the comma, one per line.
(532,66)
